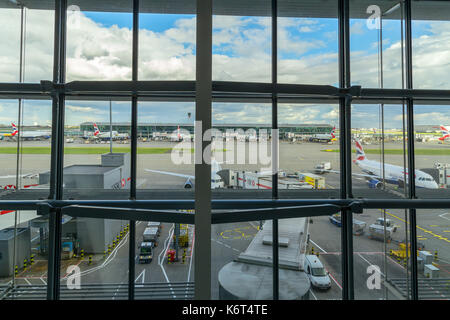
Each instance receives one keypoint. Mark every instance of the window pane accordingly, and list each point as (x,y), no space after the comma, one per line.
(431,58)
(380,259)
(27,158)
(431,150)
(308,43)
(434,254)
(378,151)
(242,47)
(99,44)
(166,149)
(37,44)
(166,46)
(242,152)
(24,254)
(309,150)
(94,259)
(376,44)
(164,261)
(96,166)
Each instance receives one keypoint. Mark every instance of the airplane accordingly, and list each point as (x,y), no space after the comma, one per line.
(107,135)
(180,136)
(393,174)
(27,135)
(325,137)
(216,180)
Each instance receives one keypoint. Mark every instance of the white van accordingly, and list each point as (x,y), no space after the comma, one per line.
(317,274)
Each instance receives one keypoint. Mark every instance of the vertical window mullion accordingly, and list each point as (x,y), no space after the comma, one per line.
(411,163)
(133,169)
(57,151)
(274,139)
(203,115)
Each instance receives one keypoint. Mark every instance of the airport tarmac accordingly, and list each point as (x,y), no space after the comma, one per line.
(231,239)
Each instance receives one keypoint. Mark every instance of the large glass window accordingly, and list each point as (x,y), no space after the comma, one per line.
(97,149)
(98,43)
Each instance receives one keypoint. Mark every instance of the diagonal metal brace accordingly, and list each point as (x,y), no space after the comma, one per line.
(172,216)
(128,214)
(282,213)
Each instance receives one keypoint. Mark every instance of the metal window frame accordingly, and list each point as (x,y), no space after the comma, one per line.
(58,90)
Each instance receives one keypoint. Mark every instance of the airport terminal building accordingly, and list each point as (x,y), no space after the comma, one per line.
(349,214)
(147,129)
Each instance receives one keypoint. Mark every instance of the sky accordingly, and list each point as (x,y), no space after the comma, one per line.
(99,48)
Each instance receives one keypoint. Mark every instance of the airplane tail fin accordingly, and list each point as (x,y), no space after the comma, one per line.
(445,133)
(360,155)
(96,130)
(14,129)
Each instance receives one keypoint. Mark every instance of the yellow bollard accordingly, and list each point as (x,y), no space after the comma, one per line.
(90,259)
(25,264)
(16,270)
(82,254)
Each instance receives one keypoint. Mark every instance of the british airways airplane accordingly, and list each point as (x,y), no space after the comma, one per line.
(30,135)
(393,174)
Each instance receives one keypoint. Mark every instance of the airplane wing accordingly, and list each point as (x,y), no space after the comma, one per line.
(29,175)
(171,174)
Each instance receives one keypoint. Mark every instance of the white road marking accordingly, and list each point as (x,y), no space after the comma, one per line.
(442,216)
(369,263)
(142,274)
(161,261)
(317,246)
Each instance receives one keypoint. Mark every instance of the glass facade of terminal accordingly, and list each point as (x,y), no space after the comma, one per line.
(228,150)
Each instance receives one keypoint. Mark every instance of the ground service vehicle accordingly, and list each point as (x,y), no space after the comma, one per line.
(151,235)
(376,232)
(322,167)
(358,226)
(155,224)
(146,252)
(317,274)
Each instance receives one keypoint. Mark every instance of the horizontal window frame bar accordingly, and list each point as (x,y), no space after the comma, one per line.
(241,204)
(221,90)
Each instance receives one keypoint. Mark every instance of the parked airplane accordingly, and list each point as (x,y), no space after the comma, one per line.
(28,135)
(325,137)
(180,136)
(107,135)
(216,180)
(393,174)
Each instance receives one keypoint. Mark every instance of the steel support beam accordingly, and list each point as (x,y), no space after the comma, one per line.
(411,156)
(202,246)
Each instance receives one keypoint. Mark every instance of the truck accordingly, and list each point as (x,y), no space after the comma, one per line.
(358,226)
(155,224)
(376,232)
(322,167)
(258,180)
(387,222)
(317,182)
(146,252)
(151,235)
